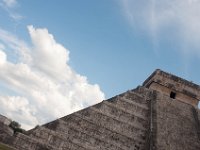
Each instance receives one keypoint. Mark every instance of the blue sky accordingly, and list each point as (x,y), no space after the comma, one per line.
(65,50)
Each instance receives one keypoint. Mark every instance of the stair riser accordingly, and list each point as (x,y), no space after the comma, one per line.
(75,137)
(123,115)
(98,132)
(129,107)
(23,142)
(111,123)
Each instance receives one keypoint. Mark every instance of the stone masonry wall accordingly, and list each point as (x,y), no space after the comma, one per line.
(120,123)
(4,120)
(175,126)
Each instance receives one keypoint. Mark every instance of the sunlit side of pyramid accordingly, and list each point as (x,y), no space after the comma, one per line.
(162,114)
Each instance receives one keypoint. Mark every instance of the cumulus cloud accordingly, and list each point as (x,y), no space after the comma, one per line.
(43,85)
(158,18)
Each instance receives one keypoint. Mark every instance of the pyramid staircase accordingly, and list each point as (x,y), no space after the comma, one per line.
(164,115)
(119,123)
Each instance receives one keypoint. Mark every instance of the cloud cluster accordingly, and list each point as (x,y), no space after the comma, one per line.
(181,18)
(41,86)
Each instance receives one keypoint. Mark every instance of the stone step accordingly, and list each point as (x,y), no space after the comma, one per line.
(74,136)
(121,116)
(24,142)
(98,132)
(107,125)
(59,127)
(48,136)
(136,98)
(91,141)
(110,123)
(147,93)
(71,146)
(72,128)
(77,139)
(134,140)
(140,93)
(141,109)
(59,140)
(130,116)
(140,102)
(132,112)
(77,125)
(130,106)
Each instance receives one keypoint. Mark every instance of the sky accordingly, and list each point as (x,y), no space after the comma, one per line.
(57,57)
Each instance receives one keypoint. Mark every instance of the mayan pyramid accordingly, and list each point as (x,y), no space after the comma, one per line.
(162,114)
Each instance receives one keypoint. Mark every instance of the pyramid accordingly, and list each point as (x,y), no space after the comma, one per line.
(162,114)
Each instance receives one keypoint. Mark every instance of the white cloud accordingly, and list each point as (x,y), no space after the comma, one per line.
(18,46)
(45,86)
(19,109)
(15,16)
(2,58)
(181,18)
(10,3)
(10,7)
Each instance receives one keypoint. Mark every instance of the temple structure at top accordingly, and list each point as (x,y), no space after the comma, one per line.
(174,87)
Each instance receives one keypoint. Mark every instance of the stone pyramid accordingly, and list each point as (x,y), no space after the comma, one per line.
(162,114)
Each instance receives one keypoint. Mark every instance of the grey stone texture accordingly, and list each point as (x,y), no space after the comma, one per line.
(4,120)
(174,124)
(5,130)
(145,118)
